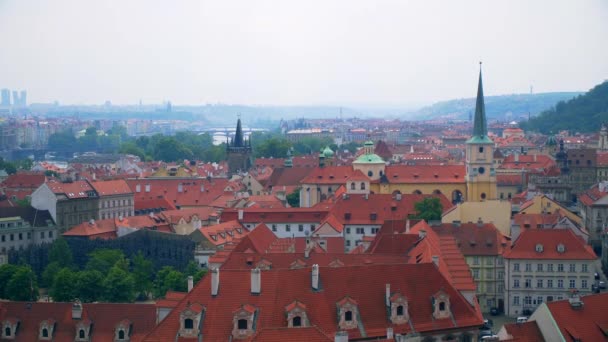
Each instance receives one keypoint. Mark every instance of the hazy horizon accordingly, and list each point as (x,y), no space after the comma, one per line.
(402,54)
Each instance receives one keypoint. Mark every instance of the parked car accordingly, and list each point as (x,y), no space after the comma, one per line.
(602,285)
(494,312)
(522,319)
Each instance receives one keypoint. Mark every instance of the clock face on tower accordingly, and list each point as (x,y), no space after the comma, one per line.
(482,170)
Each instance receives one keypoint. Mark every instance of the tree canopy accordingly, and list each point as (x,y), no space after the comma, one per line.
(429,209)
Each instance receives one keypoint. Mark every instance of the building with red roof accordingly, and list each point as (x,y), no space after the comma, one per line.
(392,299)
(115,199)
(211,238)
(181,192)
(39,321)
(20,185)
(543,265)
(594,212)
(117,227)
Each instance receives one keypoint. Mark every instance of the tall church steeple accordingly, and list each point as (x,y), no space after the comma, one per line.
(481,175)
(238,136)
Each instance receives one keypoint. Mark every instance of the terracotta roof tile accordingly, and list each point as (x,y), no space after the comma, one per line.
(574,247)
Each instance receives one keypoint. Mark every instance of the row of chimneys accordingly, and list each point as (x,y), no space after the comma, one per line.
(180,188)
(256,280)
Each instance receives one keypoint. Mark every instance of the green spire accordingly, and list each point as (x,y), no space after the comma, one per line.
(480,125)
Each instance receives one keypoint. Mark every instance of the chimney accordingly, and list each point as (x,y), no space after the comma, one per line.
(535,157)
(516,157)
(190,283)
(256,281)
(575,300)
(180,187)
(215,281)
(76,310)
(202,188)
(240,214)
(315,277)
(479,222)
(398,196)
(120,218)
(92,222)
(389,333)
(151,214)
(435,260)
(387,295)
(306,252)
(407,225)
(422,233)
(366,197)
(341,336)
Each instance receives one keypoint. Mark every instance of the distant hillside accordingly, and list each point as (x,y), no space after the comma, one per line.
(503,107)
(583,113)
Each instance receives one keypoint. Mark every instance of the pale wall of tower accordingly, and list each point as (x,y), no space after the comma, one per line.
(481,175)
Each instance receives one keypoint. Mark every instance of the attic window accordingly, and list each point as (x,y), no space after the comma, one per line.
(539,248)
(347,216)
(214,237)
(561,248)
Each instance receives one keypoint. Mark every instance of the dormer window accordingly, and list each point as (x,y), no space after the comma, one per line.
(441,305)
(243,321)
(347,313)
(190,320)
(296,315)
(362,186)
(46,330)
(122,332)
(83,329)
(561,248)
(399,309)
(352,186)
(539,248)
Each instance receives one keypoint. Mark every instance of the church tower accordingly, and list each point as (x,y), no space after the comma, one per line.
(481,176)
(603,141)
(238,152)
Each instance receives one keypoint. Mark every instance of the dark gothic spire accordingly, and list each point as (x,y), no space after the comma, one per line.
(238,137)
(480,125)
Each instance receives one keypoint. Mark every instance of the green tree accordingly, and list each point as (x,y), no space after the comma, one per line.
(192,269)
(62,141)
(64,289)
(169,149)
(49,273)
(23,285)
(294,198)
(169,279)
(130,147)
(61,253)
(6,273)
(143,270)
(429,209)
(119,286)
(273,148)
(103,259)
(88,285)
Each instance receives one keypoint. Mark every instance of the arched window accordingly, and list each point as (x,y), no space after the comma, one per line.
(370,173)
(400,310)
(81,333)
(352,186)
(45,332)
(188,323)
(242,324)
(348,316)
(362,185)
(121,335)
(442,306)
(297,321)
(417,192)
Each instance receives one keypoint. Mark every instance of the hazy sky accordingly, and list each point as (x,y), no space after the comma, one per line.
(339,52)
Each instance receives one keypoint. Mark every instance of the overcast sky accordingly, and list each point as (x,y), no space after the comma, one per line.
(307,52)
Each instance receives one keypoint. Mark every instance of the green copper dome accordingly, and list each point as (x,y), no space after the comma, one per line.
(327,152)
(369,159)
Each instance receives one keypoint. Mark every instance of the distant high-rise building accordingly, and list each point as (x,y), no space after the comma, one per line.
(6,98)
(24,98)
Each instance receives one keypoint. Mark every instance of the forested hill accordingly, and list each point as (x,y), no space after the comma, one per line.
(497,107)
(584,113)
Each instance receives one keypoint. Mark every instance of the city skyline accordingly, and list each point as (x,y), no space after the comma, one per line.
(295,53)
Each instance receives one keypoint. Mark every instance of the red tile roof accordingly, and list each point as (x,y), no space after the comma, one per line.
(111,188)
(509,179)
(589,323)
(528,162)
(196,192)
(328,175)
(104,317)
(474,239)
(153,204)
(24,180)
(286,260)
(418,283)
(307,334)
(275,215)
(525,246)
(425,174)
(524,332)
(77,189)
(223,233)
